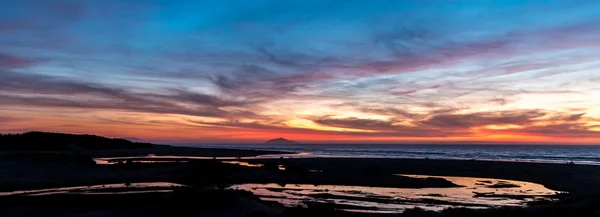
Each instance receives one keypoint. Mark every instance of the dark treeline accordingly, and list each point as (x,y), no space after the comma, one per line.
(42,141)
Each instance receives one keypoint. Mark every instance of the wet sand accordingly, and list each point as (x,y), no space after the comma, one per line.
(178,201)
(24,170)
(26,173)
(104,177)
(123,188)
(474,193)
(577,179)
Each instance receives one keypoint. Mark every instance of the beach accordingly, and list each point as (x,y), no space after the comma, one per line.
(273,183)
(578,180)
(564,177)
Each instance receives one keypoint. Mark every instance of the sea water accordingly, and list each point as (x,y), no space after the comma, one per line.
(579,154)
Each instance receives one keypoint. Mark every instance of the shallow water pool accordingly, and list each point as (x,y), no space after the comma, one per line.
(475,193)
(123,188)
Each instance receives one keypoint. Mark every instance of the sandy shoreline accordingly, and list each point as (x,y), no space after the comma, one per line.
(564,177)
(27,171)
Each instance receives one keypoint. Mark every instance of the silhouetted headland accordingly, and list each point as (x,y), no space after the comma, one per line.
(281,141)
(97,146)
(42,141)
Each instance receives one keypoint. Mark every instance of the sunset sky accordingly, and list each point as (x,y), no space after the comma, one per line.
(340,71)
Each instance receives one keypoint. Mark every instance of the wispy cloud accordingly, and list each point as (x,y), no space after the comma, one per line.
(337,69)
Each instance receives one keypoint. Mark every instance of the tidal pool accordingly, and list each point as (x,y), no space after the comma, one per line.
(243,163)
(123,188)
(151,158)
(475,193)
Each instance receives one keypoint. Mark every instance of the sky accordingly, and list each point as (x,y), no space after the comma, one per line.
(315,71)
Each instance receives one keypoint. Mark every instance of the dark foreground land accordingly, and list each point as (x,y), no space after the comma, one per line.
(196,201)
(578,179)
(41,160)
(97,146)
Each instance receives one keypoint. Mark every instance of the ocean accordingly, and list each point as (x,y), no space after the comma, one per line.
(578,154)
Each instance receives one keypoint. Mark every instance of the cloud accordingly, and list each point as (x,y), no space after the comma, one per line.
(6,119)
(203,99)
(39,90)
(573,117)
(8,61)
(355,123)
(424,70)
(42,84)
(564,130)
(398,113)
(529,122)
(518,117)
(382,128)
(414,49)
(112,104)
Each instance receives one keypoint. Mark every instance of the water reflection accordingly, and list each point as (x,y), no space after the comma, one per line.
(123,188)
(478,187)
(475,193)
(242,163)
(151,158)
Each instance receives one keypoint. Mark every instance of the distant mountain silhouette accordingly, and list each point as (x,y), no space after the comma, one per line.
(42,141)
(281,141)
